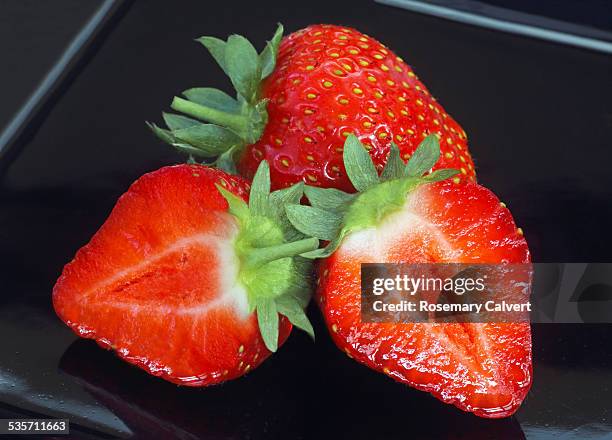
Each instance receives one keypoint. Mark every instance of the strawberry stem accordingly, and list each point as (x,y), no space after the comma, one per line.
(261,256)
(229,124)
(234,122)
(276,281)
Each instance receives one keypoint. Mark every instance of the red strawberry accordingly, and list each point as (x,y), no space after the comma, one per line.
(185,280)
(327,81)
(484,368)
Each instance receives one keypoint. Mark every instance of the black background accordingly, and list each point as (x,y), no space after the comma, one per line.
(594,13)
(32,35)
(540,123)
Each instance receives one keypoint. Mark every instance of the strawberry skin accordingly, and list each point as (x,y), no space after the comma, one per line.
(157,282)
(490,376)
(408,214)
(301,97)
(330,81)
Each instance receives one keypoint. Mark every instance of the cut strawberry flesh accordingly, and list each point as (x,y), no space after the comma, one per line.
(158,282)
(158,305)
(483,368)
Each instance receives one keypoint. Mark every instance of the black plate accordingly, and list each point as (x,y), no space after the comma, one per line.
(540,123)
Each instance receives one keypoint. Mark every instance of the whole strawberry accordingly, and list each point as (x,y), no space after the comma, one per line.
(408,215)
(188,281)
(299,99)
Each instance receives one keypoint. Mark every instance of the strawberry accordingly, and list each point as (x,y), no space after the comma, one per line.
(187,281)
(404,216)
(299,99)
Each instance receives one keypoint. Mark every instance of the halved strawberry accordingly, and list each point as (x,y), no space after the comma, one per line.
(186,280)
(407,217)
(299,98)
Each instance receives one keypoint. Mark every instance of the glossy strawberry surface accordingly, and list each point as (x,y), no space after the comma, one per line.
(331,81)
(157,282)
(484,368)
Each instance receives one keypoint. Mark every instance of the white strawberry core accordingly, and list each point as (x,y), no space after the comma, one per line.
(380,241)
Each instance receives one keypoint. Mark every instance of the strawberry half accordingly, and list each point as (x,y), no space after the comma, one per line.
(406,216)
(299,99)
(186,280)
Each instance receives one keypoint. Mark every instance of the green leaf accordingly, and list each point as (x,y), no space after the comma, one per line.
(327,250)
(394,168)
(270,52)
(211,139)
(359,166)
(277,201)
(288,306)
(226,161)
(182,147)
(439,175)
(267,318)
(257,117)
(237,207)
(328,199)
(243,68)
(216,47)
(302,285)
(293,194)
(260,113)
(213,98)
(314,222)
(176,122)
(260,190)
(424,158)
(235,122)
(279,198)
(163,134)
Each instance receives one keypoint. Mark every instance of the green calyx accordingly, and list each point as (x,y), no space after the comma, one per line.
(276,278)
(212,124)
(333,213)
